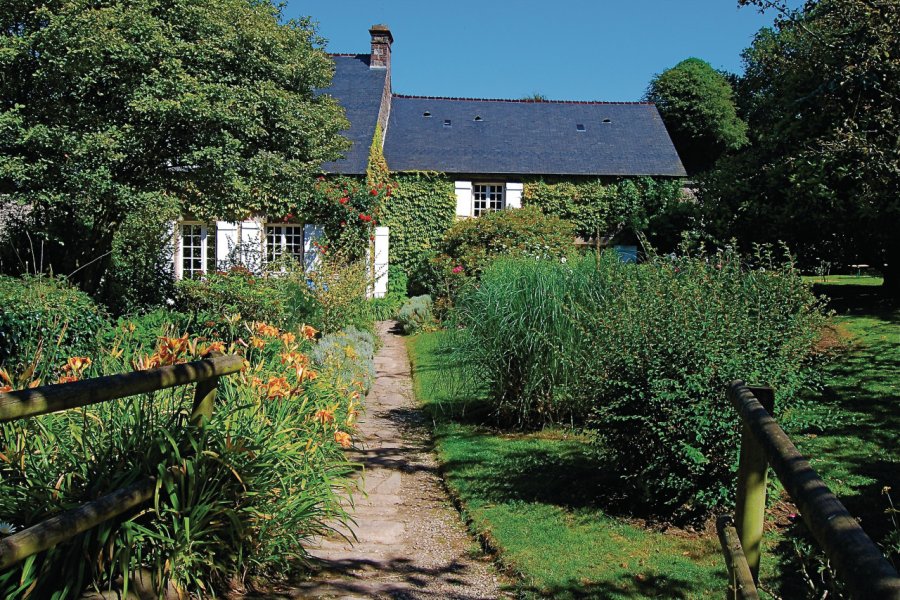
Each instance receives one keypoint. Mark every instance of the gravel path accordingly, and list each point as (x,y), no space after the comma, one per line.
(410,541)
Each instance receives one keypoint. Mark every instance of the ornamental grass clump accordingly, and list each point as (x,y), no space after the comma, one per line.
(642,355)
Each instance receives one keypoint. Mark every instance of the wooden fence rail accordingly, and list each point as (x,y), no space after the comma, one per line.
(42,400)
(857,560)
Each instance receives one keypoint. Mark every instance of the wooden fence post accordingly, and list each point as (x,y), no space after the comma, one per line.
(750,509)
(740,581)
(205,398)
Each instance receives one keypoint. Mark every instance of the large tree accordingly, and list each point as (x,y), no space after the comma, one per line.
(696,103)
(821,95)
(112,108)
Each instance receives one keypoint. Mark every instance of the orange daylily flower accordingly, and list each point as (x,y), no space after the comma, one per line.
(343,438)
(325,416)
(277,387)
(294,359)
(170,349)
(309,375)
(257,342)
(213,347)
(142,363)
(308,331)
(76,365)
(67,379)
(5,388)
(288,338)
(266,330)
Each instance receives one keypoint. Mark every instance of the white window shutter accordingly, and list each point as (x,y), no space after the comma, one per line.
(226,243)
(463,199)
(312,236)
(382,248)
(514,194)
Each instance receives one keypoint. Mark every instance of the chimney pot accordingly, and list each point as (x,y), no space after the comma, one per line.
(381,46)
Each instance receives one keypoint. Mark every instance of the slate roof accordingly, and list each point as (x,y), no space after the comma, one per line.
(358,89)
(528,137)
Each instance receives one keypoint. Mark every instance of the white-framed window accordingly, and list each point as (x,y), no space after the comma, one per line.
(284,240)
(196,250)
(487,197)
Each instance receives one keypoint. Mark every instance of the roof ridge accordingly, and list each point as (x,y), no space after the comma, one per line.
(521,100)
(348,54)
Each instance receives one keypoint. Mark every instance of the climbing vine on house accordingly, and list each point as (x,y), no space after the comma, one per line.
(348,208)
(377,169)
(604,206)
(422,207)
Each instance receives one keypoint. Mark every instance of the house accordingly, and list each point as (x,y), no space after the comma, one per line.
(488,147)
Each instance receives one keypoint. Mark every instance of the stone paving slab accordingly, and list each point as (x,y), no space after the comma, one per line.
(409,539)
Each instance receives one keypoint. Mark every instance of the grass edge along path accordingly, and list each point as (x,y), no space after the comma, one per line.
(532,498)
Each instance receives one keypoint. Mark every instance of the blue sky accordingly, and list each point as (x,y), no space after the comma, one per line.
(567,49)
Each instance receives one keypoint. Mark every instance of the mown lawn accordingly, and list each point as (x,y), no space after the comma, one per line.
(541,500)
(536,499)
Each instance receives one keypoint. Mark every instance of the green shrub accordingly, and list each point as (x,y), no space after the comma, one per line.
(471,244)
(140,276)
(338,286)
(46,313)
(643,355)
(416,314)
(282,301)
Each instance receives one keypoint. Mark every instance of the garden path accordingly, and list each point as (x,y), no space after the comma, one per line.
(410,541)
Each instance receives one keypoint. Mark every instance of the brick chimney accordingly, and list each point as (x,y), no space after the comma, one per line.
(381,47)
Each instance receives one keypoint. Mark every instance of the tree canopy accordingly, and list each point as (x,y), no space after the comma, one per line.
(821,95)
(111,108)
(696,103)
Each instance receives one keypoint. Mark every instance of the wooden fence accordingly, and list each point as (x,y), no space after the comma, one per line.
(858,562)
(42,400)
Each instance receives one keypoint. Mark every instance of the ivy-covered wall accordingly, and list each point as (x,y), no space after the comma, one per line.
(604,206)
(422,206)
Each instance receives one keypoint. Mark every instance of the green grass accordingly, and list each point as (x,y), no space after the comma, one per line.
(536,499)
(869,280)
(544,503)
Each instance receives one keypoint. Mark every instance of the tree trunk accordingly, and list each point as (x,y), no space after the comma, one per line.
(891,285)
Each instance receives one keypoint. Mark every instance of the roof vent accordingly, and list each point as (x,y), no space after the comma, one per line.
(426,114)
(607,121)
(579,127)
(447,123)
(478,118)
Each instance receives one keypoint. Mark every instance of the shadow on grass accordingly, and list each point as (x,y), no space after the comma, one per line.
(855,299)
(639,585)
(521,468)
